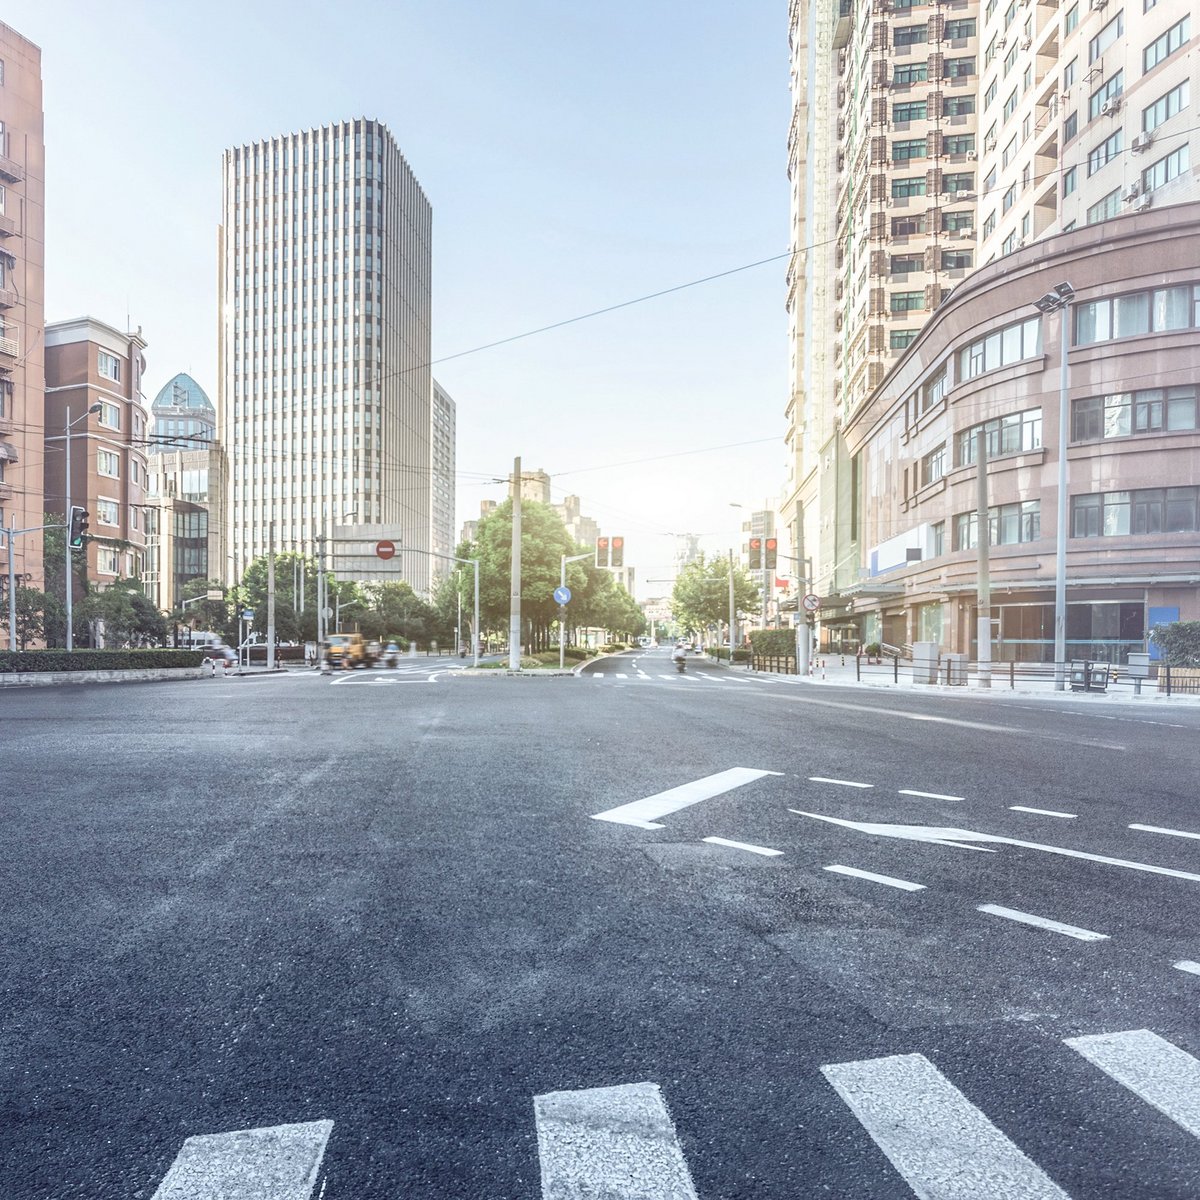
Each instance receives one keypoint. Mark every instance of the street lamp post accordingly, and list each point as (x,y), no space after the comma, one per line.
(1059,300)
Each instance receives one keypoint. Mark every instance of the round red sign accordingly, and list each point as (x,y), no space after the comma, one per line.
(385,549)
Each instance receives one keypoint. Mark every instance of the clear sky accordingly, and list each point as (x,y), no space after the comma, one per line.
(576,156)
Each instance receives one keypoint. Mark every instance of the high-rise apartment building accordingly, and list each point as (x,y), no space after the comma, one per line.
(22,293)
(324,402)
(441,480)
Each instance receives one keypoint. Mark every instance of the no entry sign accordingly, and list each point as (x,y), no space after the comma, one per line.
(385,549)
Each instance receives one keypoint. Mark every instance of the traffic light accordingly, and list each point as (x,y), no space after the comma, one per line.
(756,554)
(77,524)
(772,552)
(618,552)
(602,552)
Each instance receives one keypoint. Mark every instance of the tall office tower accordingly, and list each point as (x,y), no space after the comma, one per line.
(441,480)
(882,159)
(1086,115)
(22,293)
(325,388)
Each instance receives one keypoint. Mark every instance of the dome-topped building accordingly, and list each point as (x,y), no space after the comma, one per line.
(184,417)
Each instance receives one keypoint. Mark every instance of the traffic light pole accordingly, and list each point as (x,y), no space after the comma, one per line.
(10,536)
(69,580)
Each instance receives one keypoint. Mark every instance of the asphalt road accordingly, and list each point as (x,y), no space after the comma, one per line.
(380,900)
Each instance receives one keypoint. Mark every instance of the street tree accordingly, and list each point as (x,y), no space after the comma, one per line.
(127,616)
(701,594)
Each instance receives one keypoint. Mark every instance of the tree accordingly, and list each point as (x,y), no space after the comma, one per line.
(54,613)
(129,618)
(1179,642)
(30,606)
(393,609)
(701,594)
(290,625)
(213,616)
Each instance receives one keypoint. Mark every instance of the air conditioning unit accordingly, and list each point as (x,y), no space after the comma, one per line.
(1145,201)
(1001,43)
(1099,5)
(1134,192)
(964,233)
(1141,142)
(989,144)
(1111,107)
(972,154)
(1026,43)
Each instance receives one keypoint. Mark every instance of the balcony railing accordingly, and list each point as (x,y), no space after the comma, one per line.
(9,346)
(8,298)
(11,170)
(8,227)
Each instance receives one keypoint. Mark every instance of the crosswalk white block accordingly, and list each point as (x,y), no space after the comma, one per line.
(1152,1068)
(611,1143)
(279,1162)
(941,1144)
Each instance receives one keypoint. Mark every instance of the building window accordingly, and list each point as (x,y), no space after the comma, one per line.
(1014,433)
(937,539)
(1165,107)
(910,110)
(1012,344)
(1010,105)
(1104,153)
(1109,206)
(956,260)
(1105,38)
(1070,127)
(108,464)
(110,415)
(958,106)
(989,97)
(1069,73)
(962,181)
(1070,180)
(989,225)
(1166,45)
(907,301)
(962,219)
(109,365)
(108,561)
(912,73)
(908,149)
(913,185)
(1163,310)
(933,390)
(1010,198)
(1149,510)
(933,465)
(900,339)
(1072,19)
(909,35)
(959,143)
(962,28)
(1008,525)
(1102,95)
(1166,169)
(960,68)
(1010,60)
(909,225)
(1123,414)
(902,264)
(108,512)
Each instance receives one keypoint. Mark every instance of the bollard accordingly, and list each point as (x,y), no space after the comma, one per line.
(896,668)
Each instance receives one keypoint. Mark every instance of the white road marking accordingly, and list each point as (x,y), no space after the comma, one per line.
(927,795)
(666,677)
(841,782)
(615,1142)
(620,676)
(644,813)
(943,836)
(1015,914)
(1186,964)
(941,1144)
(277,1163)
(763,850)
(1042,812)
(1152,1068)
(890,880)
(1172,832)
(597,674)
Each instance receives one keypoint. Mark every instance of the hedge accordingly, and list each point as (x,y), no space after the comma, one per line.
(12,661)
(773,642)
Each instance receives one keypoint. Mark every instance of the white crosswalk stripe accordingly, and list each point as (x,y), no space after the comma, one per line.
(1151,1068)
(282,1162)
(942,1145)
(613,1142)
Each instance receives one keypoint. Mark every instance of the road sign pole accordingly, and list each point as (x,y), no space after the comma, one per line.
(475,630)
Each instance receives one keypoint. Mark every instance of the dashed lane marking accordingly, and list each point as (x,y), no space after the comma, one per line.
(282,1162)
(615,1142)
(889,880)
(1171,832)
(840,782)
(1042,812)
(766,851)
(927,795)
(1024,918)
(941,1144)
(1154,1069)
(1186,964)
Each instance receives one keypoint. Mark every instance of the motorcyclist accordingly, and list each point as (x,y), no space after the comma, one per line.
(679,655)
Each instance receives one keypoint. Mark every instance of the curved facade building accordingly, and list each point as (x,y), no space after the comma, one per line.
(183,416)
(987,365)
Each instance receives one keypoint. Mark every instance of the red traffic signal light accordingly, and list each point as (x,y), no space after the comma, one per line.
(756,554)
(602,552)
(618,552)
(771,553)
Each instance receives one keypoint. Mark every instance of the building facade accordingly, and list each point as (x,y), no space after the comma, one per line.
(90,363)
(184,418)
(987,367)
(325,393)
(442,419)
(22,300)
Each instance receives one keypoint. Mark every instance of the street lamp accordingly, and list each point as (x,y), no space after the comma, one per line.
(322,627)
(1059,300)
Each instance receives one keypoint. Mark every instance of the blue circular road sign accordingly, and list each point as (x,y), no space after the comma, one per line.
(562,595)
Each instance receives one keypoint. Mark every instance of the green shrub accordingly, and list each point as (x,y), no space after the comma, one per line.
(873,650)
(721,653)
(1179,642)
(741,655)
(96,660)
(773,642)
(529,663)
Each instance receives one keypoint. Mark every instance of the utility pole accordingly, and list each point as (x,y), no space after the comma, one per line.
(983,543)
(12,581)
(514,603)
(271,597)
(732,610)
(320,594)
(70,583)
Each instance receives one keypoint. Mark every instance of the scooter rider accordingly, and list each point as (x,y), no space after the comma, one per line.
(679,656)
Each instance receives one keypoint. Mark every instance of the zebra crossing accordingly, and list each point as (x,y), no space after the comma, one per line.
(687,679)
(620,1142)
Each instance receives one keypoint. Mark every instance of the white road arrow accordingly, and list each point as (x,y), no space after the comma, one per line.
(949,836)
